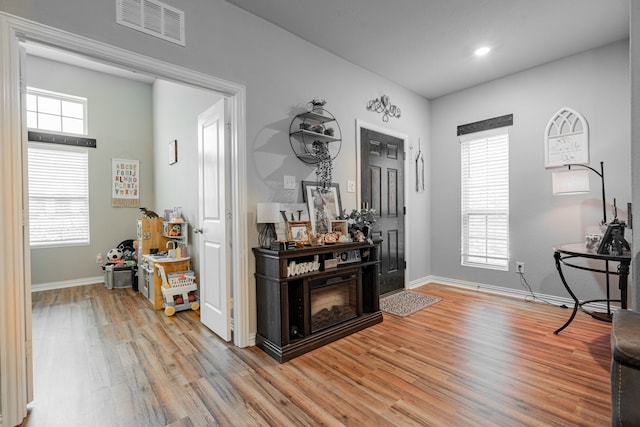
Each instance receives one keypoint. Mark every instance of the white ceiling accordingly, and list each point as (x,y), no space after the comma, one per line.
(427,45)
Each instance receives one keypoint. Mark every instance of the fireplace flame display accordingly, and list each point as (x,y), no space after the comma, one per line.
(333,302)
(337,314)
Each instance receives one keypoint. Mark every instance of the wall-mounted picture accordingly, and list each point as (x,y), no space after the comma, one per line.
(299,231)
(324,205)
(566,139)
(173,152)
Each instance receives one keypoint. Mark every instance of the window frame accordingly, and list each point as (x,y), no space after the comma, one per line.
(487,201)
(60,97)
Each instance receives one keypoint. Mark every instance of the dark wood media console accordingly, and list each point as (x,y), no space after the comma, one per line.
(301,305)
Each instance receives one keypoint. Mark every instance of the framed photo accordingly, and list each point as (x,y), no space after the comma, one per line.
(173,152)
(324,205)
(299,231)
(341,226)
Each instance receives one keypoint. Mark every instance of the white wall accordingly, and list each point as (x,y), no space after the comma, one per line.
(119,118)
(175,117)
(594,83)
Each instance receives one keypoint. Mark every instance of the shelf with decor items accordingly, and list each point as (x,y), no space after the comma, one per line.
(176,230)
(311,296)
(313,131)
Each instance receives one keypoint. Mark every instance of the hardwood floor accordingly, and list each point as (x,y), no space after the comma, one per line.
(104,358)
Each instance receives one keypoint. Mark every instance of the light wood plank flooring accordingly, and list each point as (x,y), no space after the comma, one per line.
(104,358)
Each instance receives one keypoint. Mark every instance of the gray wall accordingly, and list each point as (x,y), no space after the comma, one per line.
(594,83)
(120,118)
(281,73)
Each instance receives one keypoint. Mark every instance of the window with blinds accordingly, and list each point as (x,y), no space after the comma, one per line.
(58,195)
(485,199)
(58,174)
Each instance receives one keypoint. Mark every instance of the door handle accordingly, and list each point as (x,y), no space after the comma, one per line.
(197,230)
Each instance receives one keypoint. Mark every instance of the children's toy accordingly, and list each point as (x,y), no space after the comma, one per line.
(178,290)
(114,254)
(128,249)
(176,230)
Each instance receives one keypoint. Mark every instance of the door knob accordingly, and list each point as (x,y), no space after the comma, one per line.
(197,230)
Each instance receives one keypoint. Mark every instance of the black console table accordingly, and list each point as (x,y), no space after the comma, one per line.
(311,296)
(569,251)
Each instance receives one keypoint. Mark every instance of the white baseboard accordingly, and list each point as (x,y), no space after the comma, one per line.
(508,292)
(37,287)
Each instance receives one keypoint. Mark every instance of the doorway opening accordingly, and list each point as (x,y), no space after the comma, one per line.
(17,31)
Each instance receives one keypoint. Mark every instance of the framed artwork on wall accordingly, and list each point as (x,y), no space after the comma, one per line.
(324,205)
(566,139)
(173,152)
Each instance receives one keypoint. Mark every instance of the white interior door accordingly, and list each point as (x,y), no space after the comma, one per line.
(215,284)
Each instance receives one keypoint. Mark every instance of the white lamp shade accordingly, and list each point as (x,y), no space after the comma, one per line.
(268,213)
(570,182)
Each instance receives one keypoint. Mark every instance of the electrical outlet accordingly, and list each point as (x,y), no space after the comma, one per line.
(351,186)
(520,267)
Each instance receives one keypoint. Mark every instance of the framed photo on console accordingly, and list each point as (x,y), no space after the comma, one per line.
(324,205)
(340,225)
(299,231)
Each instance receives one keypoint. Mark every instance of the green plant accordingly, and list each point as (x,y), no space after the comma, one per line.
(359,218)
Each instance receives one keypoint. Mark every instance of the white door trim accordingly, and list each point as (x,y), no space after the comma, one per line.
(14,314)
(361,124)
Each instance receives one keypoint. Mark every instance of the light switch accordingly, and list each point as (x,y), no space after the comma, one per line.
(351,186)
(289,182)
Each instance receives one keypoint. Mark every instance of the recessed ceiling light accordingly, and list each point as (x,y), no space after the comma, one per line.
(482,51)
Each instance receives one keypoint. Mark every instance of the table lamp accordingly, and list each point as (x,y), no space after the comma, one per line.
(577,182)
(267,214)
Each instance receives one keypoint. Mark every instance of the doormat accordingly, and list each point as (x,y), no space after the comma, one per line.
(405,303)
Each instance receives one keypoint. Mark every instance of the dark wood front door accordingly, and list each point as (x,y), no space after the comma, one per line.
(382,189)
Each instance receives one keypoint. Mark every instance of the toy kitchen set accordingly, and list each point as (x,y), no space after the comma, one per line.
(162,253)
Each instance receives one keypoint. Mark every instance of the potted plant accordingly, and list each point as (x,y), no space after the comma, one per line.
(359,222)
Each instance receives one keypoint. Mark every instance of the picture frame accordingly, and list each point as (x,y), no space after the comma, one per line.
(340,225)
(324,205)
(299,231)
(173,152)
(613,239)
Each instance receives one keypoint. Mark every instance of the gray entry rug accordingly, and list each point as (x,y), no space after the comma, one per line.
(405,303)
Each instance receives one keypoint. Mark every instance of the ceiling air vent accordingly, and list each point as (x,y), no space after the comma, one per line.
(152,17)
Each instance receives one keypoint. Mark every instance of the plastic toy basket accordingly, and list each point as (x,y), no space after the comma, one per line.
(176,287)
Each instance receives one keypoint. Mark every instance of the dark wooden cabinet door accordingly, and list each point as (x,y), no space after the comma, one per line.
(382,189)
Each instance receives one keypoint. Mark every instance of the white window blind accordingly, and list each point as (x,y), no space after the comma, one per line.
(58,195)
(485,199)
